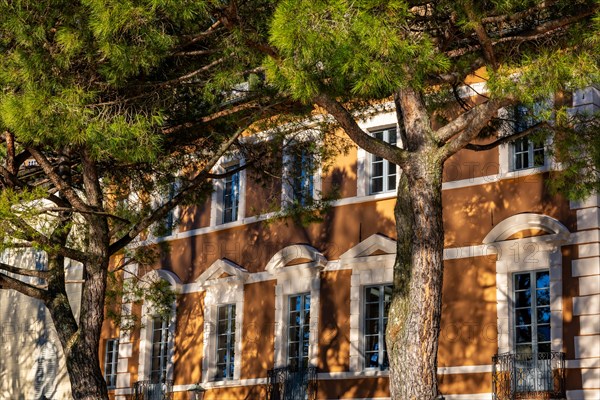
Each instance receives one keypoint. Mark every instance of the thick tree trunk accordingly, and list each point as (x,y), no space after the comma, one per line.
(414,316)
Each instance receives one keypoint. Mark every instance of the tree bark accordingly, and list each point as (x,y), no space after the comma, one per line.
(414,316)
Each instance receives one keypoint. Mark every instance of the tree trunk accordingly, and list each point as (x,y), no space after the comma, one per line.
(414,315)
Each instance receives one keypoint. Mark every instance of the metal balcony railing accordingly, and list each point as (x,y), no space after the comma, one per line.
(153,390)
(528,376)
(292,384)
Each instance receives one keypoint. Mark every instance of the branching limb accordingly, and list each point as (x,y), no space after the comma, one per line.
(346,120)
(6,282)
(508,138)
(22,271)
(480,120)
(460,123)
(73,210)
(59,182)
(164,209)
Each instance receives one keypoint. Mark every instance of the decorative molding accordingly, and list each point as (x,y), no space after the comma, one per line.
(372,244)
(520,222)
(219,267)
(295,252)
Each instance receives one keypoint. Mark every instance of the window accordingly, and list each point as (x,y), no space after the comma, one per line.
(532,312)
(225,342)
(383,172)
(377,303)
(170,218)
(302,177)
(527,153)
(158,358)
(298,331)
(110,362)
(231,195)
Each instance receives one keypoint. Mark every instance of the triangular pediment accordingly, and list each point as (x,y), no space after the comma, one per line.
(375,245)
(221,269)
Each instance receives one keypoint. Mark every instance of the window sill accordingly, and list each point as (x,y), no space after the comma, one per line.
(348,375)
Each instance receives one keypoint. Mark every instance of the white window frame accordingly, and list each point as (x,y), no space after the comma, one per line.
(295,280)
(386,165)
(111,359)
(163,355)
(221,291)
(367,270)
(217,205)
(144,366)
(301,341)
(536,253)
(378,122)
(231,341)
(381,332)
(531,150)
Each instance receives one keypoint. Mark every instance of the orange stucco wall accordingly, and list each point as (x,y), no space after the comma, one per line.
(189,336)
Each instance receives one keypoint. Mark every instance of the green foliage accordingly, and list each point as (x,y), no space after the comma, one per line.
(339,46)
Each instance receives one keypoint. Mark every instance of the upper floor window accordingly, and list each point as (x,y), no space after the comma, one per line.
(110,362)
(225,341)
(231,195)
(302,176)
(298,331)
(377,302)
(528,153)
(159,351)
(382,172)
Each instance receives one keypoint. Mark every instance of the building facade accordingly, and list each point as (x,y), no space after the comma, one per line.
(282,311)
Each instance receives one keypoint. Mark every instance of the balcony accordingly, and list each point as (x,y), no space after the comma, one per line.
(528,376)
(153,390)
(292,384)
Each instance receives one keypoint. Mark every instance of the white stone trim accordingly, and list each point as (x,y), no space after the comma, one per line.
(146,331)
(296,279)
(583,394)
(520,222)
(589,285)
(586,305)
(474,396)
(366,270)
(586,266)
(588,218)
(522,255)
(219,267)
(589,324)
(587,346)
(287,196)
(294,252)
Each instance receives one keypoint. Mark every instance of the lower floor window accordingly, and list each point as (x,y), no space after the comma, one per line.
(110,362)
(532,312)
(298,331)
(225,341)
(160,341)
(377,302)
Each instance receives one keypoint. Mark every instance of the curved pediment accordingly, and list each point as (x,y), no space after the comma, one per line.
(222,268)
(161,274)
(375,245)
(296,254)
(526,225)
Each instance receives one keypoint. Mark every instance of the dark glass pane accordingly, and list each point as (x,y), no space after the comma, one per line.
(221,371)
(376,185)
(523,299)
(542,297)
(305,349)
(293,350)
(307,302)
(294,318)
(522,281)
(372,295)
(306,317)
(377,169)
(378,135)
(543,315)
(392,136)
(371,326)
(542,280)
(523,317)
(372,343)
(222,341)
(306,334)
(222,313)
(372,310)
(392,180)
(294,334)
(222,326)
(538,158)
(544,333)
(544,348)
(523,334)
(222,355)
(296,303)
(388,294)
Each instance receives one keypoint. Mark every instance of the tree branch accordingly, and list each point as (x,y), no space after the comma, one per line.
(506,139)
(60,183)
(163,210)
(460,123)
(486,112)
(25,272)
(6,282)
(391,153)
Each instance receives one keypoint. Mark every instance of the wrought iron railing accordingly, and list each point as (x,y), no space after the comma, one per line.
(528,376)
(292,384)
(153,390)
